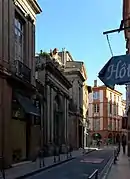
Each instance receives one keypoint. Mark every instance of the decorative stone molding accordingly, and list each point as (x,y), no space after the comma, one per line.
(28,17)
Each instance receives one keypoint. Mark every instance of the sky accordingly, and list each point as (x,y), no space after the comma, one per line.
(78,26)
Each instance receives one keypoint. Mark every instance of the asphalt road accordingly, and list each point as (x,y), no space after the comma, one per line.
(79,168)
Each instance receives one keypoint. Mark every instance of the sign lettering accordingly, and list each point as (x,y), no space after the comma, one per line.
(116,71)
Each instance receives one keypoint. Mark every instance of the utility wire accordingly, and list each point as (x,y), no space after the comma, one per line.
(109,45)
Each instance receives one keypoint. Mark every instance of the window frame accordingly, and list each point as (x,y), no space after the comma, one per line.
(95,122)
(19,29)
(110,108)
(96,95)
(96,108)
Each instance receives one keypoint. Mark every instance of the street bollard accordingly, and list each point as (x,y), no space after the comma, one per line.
(70,150)
(2,167)
(42,157)
(54,154)
(40,162)
(115,156)
(59,154)
(67,152)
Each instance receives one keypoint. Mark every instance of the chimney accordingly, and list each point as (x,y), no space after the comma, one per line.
(95,83)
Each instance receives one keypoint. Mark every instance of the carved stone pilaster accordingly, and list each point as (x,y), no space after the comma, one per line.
(52,114)
(48,113)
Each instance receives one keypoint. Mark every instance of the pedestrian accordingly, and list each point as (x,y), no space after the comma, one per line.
(124,143)
(98,143)
(119,145)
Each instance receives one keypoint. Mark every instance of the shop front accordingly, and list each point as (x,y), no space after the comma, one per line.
(25,124)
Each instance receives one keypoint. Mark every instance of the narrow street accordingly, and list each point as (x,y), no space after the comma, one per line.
(78,168)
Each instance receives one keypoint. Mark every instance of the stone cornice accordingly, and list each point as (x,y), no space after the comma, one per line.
(76,72)
(51,67)
(59,91)
(35,6)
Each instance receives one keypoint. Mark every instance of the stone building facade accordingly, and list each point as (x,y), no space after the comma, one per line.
(56,101)
(66,80)
(18,136)
(86,91)
(74,74)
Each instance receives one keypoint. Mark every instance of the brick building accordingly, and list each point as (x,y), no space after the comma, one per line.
(105,113)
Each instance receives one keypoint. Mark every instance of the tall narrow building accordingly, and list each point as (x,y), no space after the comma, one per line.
(18,135)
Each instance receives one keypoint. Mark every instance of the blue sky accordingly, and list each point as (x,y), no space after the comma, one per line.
(78,26)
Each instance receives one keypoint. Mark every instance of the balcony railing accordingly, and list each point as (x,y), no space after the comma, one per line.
(21,70)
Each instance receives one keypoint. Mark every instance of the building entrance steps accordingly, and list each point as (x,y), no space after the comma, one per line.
(122,169)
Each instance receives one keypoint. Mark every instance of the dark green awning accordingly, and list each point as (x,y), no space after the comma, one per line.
(27,105)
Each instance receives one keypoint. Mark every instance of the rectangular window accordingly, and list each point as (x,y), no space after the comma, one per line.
(96,108)
(117,110)
(114,98)
(110,124)
(96,95)
(110,108)
(114,109)
(110,96)
(96,124)
(19,39)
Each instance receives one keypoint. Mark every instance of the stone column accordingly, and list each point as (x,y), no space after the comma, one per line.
(52,114)
(65,118)
(48,113)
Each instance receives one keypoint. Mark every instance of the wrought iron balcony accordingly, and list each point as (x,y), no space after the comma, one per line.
(21,70)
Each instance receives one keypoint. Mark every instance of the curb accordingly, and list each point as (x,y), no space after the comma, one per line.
(105,172)
(48,167)
(44,168)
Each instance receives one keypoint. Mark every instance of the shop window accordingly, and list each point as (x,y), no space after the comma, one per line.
(17,111)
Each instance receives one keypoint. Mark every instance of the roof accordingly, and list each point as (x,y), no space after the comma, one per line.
(60,54)
(103,86)
(74,64)
(36,7)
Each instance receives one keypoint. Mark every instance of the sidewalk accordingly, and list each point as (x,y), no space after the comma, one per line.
(33,167)
(122,169)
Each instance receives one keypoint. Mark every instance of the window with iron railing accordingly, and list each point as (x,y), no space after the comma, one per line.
(18,66)
(96,124)
(110,108)
(19,39)
(114,109)
(96,108)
